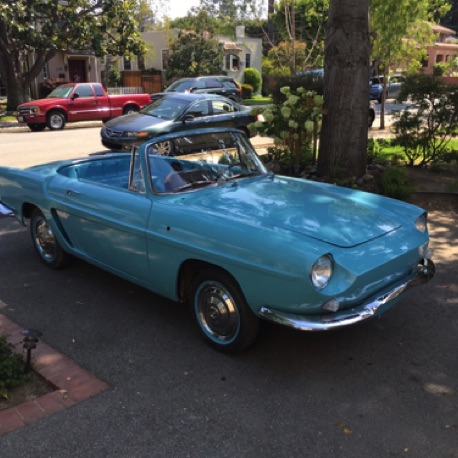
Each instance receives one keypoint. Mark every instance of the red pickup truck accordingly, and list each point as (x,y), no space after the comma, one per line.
(78,102)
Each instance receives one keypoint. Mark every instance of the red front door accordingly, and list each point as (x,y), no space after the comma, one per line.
(77,70)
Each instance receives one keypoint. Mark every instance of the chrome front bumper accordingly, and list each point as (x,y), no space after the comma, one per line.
(425,272)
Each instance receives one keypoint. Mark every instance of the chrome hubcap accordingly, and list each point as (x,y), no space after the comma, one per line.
(217,312)
(56,121)
(163,148)
(44,240)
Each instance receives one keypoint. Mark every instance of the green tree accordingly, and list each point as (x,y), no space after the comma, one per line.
(303,21)
(193,54)
(40,28)
(404,38)
(281,57)
(144,15)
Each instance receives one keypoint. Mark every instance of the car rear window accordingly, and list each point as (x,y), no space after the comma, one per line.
(212,84)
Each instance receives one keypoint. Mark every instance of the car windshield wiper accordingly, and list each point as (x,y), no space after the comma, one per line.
(194,184)
(242,175)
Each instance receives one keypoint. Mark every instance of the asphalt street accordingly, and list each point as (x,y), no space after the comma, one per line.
(386,388)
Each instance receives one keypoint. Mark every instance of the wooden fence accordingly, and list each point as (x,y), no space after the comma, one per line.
(149,82)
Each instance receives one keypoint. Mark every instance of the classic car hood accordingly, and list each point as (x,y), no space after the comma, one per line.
(135,122)
(328,213)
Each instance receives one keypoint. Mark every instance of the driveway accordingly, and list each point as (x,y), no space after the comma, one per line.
(386,388)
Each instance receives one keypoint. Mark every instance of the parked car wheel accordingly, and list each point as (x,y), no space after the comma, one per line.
(36,127)
(130,109)
(224,318)
(46,245)
(371,117)
(55,120)
(164,148)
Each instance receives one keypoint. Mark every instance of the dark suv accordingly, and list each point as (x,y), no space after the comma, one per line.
(220,85)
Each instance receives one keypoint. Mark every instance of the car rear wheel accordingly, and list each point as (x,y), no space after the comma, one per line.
(130,109)
(222,313)
(55,120)
(36,127)
(46,245)
(371,118)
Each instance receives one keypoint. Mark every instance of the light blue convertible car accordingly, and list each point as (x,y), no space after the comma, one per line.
(208,224)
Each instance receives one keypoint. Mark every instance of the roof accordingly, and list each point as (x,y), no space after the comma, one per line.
(441,29)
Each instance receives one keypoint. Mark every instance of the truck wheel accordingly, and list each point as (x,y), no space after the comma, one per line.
(55,120)
(36,127)
(130,109)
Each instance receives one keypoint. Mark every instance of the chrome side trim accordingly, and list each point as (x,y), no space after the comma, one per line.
(5,211)
(425,272)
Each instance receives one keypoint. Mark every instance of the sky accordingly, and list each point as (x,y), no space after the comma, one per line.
(179,8)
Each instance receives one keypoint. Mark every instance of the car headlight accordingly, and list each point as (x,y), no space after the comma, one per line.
(137,134)
(321,272)
(422,223)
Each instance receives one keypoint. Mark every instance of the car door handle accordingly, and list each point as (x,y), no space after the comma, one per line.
(72,192)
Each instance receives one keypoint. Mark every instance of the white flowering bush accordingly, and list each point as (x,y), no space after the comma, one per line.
(293,123)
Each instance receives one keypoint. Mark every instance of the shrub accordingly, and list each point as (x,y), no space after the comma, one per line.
(294,122)
(247,91)
(395,184)
(424,130)
(253,77)
(12,368)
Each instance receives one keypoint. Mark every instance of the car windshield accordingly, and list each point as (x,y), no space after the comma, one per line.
(376,80)
(180,86)
(166,108)
(195,161)
(61,92)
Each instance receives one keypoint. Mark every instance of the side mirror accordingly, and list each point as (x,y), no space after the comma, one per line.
(188,117)
(75,95)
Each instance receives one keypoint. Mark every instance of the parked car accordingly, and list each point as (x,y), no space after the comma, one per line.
(316,77)
(392,89)
(174,113)
(77,102)
(209,225)
(218,85)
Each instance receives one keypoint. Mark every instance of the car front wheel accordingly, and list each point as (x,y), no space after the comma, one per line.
(46,245)
(55,120)
(222,313)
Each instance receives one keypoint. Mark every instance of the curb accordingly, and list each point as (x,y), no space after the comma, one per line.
(71,383)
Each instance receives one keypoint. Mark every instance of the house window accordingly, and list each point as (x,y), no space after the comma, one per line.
(247,60)
(127,64)
(165,58)
(439,58)
(231,63)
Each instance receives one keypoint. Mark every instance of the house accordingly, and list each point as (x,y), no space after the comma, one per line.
(239,53)
(444,50)
(72,65)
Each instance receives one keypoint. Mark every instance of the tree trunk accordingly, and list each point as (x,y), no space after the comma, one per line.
(343,142)
(17,75)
